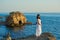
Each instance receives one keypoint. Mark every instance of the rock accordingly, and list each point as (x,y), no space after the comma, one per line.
(46,36)
(8,37)
(15,19)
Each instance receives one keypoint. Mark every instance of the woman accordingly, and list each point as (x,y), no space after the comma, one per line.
(38,29)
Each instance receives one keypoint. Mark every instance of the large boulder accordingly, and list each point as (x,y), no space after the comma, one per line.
(15,19)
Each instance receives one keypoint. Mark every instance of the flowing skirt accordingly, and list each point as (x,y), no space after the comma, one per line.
(38,30)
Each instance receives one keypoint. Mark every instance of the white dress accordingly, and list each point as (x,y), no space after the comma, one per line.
(38,29)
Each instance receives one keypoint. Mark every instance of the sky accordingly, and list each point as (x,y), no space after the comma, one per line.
(30,5)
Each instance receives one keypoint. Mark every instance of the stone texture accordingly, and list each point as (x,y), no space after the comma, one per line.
(44,36)
(15,19)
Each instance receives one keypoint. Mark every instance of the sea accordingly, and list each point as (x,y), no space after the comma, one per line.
(50,23)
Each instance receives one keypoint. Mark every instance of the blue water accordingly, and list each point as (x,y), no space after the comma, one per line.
(50,23)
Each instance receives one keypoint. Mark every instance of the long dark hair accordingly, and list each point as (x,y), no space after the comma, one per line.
(38,16)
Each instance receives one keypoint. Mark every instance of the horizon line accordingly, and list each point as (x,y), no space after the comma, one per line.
(32,12)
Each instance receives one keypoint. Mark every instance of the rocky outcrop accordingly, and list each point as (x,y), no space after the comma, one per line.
(15,19)
(46,36)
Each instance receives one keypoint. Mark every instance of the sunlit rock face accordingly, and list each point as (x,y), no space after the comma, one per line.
(15,19)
